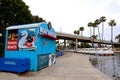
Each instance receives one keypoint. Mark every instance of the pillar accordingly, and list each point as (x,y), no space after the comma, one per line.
(64,44)
(76,44)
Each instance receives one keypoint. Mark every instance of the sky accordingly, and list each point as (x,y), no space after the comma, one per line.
(68,15)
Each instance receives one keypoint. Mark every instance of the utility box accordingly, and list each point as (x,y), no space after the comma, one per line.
(36,42)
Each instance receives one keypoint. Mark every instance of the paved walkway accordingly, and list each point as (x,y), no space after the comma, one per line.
(71,66)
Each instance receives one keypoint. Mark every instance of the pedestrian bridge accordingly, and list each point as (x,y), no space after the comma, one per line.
(66,36)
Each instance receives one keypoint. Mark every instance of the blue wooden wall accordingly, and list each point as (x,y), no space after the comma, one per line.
(43,46)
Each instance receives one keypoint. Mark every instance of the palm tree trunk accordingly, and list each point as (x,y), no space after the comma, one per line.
(102,31)
(76,44)
(112,36)
(90,32)
(81,33)
(93,38)
(98,35)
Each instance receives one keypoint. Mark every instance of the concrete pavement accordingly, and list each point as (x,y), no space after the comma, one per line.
(71,66)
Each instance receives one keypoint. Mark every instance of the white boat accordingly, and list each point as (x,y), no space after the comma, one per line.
(105,51)
(96,50)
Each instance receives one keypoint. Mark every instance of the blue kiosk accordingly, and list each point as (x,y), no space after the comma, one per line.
(34,44)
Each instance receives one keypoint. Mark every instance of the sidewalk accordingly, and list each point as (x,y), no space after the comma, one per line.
(71,66)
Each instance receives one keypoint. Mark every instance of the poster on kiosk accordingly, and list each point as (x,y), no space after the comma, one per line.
(35,41)
(21,39)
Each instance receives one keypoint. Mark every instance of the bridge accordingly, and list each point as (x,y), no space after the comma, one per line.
(66,36)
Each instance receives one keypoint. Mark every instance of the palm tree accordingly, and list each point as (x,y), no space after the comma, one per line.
(97,22)
(112,23)
(75,32)
(94,26)
(94,36)
(118,37)
(78,32)
(102,20)
(90,25)
(81,29)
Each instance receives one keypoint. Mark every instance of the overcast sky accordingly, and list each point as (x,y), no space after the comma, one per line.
(68,15)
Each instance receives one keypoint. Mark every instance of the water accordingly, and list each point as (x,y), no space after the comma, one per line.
(110,65)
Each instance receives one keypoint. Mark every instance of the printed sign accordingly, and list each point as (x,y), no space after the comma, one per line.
(21,39)
(27,39)
(12,43)
(47,29)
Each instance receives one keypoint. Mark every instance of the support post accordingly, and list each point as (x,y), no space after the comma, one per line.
(64,44)
(76,44)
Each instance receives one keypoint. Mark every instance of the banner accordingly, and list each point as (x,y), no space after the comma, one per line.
(12,43)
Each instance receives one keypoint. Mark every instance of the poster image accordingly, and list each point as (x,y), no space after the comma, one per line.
(27,39)
(51,59)
(12,43)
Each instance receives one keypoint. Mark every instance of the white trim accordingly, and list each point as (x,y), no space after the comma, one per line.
(24,26)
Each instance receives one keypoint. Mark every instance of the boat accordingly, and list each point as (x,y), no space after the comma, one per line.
(105,51)
(101,51)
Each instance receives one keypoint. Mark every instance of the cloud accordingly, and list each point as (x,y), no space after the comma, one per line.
(69,15)
(116,29)
(113,7)
(107,31)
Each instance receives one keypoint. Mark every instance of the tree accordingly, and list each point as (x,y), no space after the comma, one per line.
(84,45)
(94,25)
(97,22)
(37,19)
(78,32)
(94,36)
(75,32)
(112,23)
(90,25)
(102,20)
(15,12)
(81,30)
(118,37)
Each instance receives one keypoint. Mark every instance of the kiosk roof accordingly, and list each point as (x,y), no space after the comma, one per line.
(24,26)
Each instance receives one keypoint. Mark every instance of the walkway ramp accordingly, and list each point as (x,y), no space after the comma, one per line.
(71,66)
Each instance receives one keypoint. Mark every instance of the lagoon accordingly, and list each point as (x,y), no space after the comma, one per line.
(110,65)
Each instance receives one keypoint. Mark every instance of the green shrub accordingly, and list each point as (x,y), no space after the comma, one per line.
(1,50)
